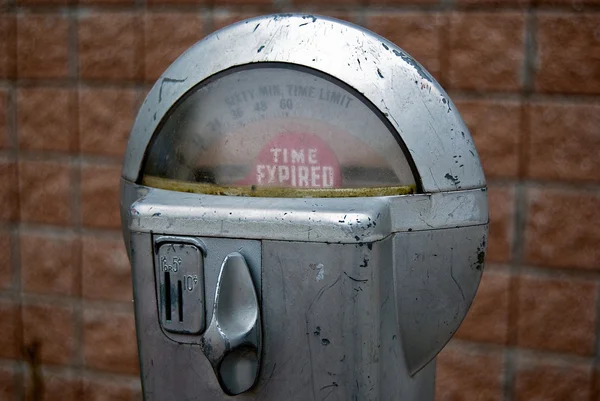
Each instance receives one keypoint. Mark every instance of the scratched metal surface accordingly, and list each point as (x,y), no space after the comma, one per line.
(339,320)
(414,103)
(345,220)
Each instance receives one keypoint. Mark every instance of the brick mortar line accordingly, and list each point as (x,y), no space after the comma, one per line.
(65,232)
(284,6)
(15,244)
(12,153)
(534,97)
(106,233)
(281,4)
(519,214)
(69,301)
(529,183)
(208,20)
(558,272)
(131,380)
(86,372)
(519,220)
(509,359)
(84,159)
(595,383)
(449,5)
(530,53)
(558,355)
(444,49)
(361,16)
(75,191)
(70,83)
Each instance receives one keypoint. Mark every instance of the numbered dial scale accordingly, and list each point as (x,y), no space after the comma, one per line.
(275,129)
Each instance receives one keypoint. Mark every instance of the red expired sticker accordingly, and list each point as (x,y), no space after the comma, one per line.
(296,160)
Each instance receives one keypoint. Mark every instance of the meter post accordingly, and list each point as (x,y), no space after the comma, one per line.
(306,218)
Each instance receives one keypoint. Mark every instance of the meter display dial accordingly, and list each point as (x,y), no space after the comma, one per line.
(277,130)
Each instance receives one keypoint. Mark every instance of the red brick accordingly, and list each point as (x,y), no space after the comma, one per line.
(557,314)
(42,46)
(486,51)
(161,50)
(53,328)
(6,268)
(417,33)
(57,271)
(45,189)
(496,129)
(110,46)
(552,379)
(113,389)
(46,119)
(106,271)
(105,120)
(562,229)
(9,192)
(556,155)
(4,113)
(109,341)
(100,195)
(469,373)
(502,210)
(8,48)
(568,53)
(8,385)
(56,386)
(487,319)
(10,330)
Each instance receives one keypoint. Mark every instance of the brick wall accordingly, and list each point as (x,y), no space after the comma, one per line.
(525,74)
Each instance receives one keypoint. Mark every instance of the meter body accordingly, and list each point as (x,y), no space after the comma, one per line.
(306,218)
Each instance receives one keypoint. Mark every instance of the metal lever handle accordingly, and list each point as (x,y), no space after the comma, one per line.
(232,342)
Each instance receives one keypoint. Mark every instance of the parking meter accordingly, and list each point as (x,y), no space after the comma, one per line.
(306,218)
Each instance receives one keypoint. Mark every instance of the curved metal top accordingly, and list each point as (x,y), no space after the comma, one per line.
(415,104)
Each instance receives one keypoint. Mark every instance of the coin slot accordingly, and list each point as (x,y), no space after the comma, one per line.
(180,285)
(167,296)
(180,300)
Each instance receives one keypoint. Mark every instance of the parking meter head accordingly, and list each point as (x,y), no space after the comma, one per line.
(304,211)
